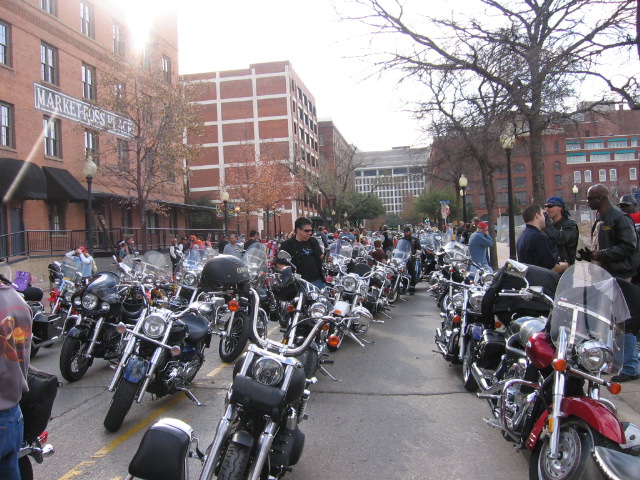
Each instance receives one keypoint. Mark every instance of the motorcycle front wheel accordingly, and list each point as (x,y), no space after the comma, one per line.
(468,380)
(232,345)
(575,461)
(73,364)
(121,402)
(235,462)
(392,296)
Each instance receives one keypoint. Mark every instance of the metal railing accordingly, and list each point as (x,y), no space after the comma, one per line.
(36,243)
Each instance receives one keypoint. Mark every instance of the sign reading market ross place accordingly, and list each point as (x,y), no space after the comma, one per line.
(64,106)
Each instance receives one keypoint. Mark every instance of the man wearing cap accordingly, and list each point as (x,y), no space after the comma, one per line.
(479,244)
(561,230)
(533,246)
(629,205)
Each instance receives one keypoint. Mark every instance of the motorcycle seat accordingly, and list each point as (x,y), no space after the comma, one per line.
(197,326)
(620,464)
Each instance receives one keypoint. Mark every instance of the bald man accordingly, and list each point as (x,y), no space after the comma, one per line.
(614,243)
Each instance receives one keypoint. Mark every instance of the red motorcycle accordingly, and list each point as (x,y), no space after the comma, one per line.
(550,401)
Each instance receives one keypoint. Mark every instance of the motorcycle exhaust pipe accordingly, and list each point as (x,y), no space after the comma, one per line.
(480,377)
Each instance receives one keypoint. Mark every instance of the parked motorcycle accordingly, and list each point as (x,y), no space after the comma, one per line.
(163,353)
(614,465)
(100,305)
(550,403)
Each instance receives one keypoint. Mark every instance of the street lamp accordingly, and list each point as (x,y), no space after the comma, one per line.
(575,197)
(463,182)
(89,169)
(237,210)
(508,140)
(224,196)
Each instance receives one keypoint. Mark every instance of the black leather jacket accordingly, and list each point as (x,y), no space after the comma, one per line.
(616,242)
(564,238)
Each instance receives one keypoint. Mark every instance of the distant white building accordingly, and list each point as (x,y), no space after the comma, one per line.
(392,174)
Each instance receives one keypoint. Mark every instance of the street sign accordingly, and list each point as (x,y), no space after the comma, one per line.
(231,210)
(445,202)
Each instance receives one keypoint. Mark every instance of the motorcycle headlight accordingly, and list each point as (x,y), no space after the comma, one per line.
(458,300)
(313,296)
(104,307)
(57,281)
(487,278)
(267,371)
(178,276)
(153,326)
(89,301)
(593,355)
(350,283)
(67,296)
(190,279)
(148,279)
(475,301)
(317,310)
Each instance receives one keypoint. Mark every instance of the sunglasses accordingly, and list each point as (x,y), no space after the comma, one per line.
(550,206)
(307,231)
(593,197)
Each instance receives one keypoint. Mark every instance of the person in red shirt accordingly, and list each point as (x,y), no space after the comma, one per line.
(629,205)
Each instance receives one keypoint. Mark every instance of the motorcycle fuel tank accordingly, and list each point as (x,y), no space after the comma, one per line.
(540,350)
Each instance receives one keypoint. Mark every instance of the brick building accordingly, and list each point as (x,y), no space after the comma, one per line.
(52,53)
(263,110)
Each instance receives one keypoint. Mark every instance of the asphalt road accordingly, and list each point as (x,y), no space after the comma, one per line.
(399,411)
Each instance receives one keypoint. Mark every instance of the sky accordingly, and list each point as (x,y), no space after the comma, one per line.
(328,54)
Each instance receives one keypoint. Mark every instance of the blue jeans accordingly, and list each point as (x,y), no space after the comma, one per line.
(11,433)
(630,360)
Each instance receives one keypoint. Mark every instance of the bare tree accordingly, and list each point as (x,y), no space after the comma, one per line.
(152,165)
(535,52)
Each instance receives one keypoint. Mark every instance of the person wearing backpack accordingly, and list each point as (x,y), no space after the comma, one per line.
(15,348)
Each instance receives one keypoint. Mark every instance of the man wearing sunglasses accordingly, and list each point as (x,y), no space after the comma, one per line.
(306,253)
(561,230)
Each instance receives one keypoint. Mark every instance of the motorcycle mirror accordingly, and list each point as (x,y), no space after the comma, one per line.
(516,269)
(284,255)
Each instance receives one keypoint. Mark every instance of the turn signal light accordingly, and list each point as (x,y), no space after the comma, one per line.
(615,388)
(121,328)
(559,364)
(333,341)
(498,324)
(550,424)
(291,308)
(325,327)
(457,319)
(175,350)
(233,305)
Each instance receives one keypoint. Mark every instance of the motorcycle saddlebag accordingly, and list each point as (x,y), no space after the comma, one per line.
(37,403)
(162,451)
(256,397)
(490,349)
(42,328)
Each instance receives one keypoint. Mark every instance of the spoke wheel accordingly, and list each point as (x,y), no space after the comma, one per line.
(232,345)
(73,364)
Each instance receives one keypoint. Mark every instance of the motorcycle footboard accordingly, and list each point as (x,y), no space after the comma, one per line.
(162,453)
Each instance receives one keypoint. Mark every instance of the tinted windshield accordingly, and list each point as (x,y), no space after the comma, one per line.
(103,284)
(256,259)
(403,250)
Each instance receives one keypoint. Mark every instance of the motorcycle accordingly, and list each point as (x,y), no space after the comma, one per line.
(163,353)
(401,277)
(544,404)
(614,465)
(100,305)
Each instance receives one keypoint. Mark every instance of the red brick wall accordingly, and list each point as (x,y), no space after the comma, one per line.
(237,132)
(274,129)
(271,86)
(237,110)
(236,88)
(272,107)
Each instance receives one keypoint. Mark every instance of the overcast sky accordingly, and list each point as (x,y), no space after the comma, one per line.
(325,52)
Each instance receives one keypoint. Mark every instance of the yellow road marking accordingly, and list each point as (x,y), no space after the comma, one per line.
(74,472)
(217,370)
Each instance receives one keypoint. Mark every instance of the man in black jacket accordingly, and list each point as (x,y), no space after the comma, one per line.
(614,244)
(561,230)
(411,267)
(306,253)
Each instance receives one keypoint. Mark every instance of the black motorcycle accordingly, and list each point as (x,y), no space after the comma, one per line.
(100,305)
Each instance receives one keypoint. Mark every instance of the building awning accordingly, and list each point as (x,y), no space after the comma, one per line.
(20,179)
(62,186)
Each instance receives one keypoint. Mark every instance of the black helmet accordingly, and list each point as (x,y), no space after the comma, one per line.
(284,286)
(222,271)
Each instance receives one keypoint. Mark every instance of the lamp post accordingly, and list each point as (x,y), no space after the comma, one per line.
(224,196)
(345,214)
(237,210)
(575,197)
(89,169)
(507,140)
(463,182)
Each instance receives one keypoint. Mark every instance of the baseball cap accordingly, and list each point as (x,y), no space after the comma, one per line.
(407,229)
(557,201)
(627,200)
(483,225)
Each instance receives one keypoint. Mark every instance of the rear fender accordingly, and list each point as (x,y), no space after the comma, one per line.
(136,369)
(592,412)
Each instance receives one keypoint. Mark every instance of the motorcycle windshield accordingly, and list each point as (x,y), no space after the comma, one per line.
(155,263)
(341,251)
(589,305)
(103,284)
(456,251)
(402,252)
(69,268)
(255,258)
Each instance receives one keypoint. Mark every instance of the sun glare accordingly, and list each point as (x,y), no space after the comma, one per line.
(139,16)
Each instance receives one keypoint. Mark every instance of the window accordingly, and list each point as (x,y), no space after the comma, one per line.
(5,44)
(576,158)
(633,174)
(123,155)
(634,142)
(6,125)
(577,177)
(56,217)
(299,93)
(86,19)
(51,129)
(617,142)
(600,156)
(118,40)
(593,144)
(502,183)
(502,198)
(145,59)
(556,146)
(49,6)
(558,179)
(587,176)
(573,146)
(521,197)
(518,168)
(556,166)
(88,82)
(519,182)
(48,64)
(166,69)
(624,155)
(613,175)
(91,145)
(321,138)
(602,175)
(120,94)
